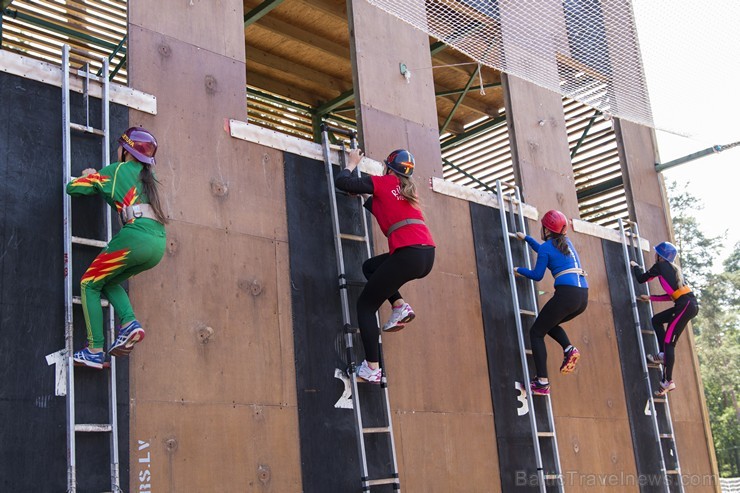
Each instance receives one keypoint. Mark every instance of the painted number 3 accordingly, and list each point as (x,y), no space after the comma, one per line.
(522,397)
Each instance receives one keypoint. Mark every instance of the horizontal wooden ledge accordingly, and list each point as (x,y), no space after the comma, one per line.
(287,143)
(45,72)
(488,199)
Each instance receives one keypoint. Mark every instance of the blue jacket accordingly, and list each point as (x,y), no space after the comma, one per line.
(549,257)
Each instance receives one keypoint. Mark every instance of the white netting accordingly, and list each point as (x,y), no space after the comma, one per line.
(588,50)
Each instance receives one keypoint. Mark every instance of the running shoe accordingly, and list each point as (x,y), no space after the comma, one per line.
(569,360)
(126,339)
(400,316)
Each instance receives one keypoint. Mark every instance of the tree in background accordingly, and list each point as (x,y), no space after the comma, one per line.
(717,327)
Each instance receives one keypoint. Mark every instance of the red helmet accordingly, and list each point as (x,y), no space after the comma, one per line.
(140,143)
(401,161)
(555,221)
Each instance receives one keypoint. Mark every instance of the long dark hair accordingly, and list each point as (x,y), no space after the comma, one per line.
(559,240)
(151,190)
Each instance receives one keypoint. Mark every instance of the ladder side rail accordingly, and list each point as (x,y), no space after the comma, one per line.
(535,309)
(109,218)
(68,306)
(641,345)
(666,404)
(520,337)
(344,298)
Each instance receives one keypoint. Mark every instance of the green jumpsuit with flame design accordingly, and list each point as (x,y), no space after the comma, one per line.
(138,246)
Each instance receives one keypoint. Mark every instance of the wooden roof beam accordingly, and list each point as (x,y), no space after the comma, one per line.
(294,33)
(338,10)
(275,62)
(270,84)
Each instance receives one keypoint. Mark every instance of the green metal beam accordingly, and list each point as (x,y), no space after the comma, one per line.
(473,132)
(467,175)
(279,100)
(60,29)
(459,91)
(260,11)
(459,100)
(113,55)
(335,103)
(584,134)
(5,3)
(696,155)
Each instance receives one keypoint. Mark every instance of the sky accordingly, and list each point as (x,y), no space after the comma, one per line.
(691,58)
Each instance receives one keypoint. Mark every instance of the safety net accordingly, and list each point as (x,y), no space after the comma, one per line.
(586,50)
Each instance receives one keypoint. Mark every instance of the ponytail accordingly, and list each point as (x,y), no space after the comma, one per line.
(679,276)
(151,190)
(408,190)
(561,243)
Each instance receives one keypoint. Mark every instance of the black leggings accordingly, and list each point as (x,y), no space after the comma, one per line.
(385,275)
(676,319)
(567,303)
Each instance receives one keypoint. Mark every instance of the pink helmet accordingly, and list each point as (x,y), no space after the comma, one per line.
(140,143)
(555,221)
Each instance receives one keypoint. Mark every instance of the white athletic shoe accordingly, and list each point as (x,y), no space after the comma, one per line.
(400,316)
(367,373)
(655,359)
(665,387)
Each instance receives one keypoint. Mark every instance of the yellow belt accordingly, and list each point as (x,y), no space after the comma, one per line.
(680,292)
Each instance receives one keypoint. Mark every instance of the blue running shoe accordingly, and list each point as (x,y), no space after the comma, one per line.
(126,339)
(85,357)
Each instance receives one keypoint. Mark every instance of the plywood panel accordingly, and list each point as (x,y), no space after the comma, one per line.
(225,447)
(426,361)
(216,26)
(374,35)
(208,177)
(695,465)
(214,308)
(445,452)
(540,146)
(596,455)
(597,374)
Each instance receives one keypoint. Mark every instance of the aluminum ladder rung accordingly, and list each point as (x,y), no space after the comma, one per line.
(89,242)
(647,332)
(673,471)
(381,429)
(346,236)
(78,301)
(667,435)
(510,234)
(659,400)
(90,428)
(528,351)
(86,129)
(381,481)
(545,433)
(87,75)
(531,313)
(552,476)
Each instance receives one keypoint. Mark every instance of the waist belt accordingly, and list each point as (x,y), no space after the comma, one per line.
(402,223)
(680,292)
(137,211)
(574,270)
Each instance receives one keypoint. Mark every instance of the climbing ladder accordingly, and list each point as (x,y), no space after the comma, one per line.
(543,431)
(363,433)
(657,407)
(68,127)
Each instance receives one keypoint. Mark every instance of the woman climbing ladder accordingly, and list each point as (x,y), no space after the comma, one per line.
(569,301)
(395,205)
(130,186)
(676,318)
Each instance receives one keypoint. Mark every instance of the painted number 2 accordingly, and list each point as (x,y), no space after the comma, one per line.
(522,397)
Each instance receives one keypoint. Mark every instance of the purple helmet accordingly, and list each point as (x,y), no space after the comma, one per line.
(140,143)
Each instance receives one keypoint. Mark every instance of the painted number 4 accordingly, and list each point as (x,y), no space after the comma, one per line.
(522,397)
